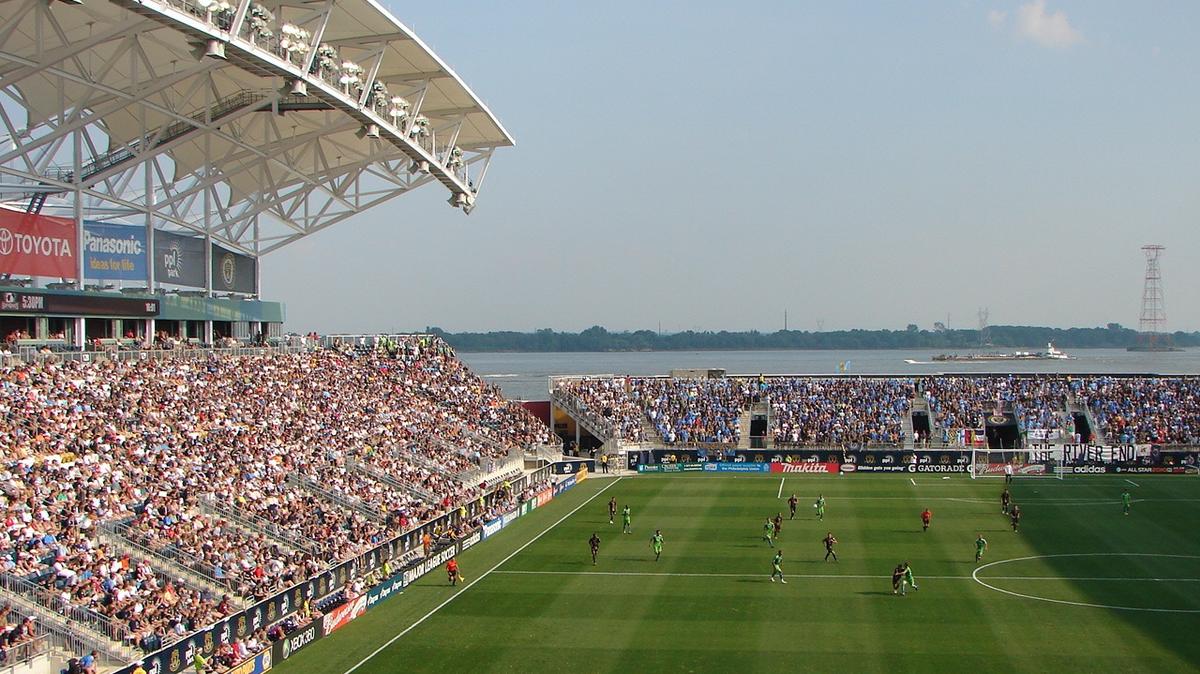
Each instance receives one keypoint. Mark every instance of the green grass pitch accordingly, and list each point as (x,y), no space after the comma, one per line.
(1080,587)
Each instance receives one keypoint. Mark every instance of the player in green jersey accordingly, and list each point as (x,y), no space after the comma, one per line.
(768,529)
(820,506)
(1126,500)
(626,521)
(908,580)
(656,542)
(777,567)
(980,547)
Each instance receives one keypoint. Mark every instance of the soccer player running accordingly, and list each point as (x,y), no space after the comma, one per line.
(626,521)
(777,523)
(1015,516)
(926,516)
(980,547)
(594,543)
(656,542)
(908,580)
(1126,500)
(767,528)
(830,541)
(612,509)
(777,567)
(452,571)
(792,503)
(1005,500)
(897,578)
(820,506)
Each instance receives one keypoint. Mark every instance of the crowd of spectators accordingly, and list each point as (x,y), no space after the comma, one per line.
(838,411)
(1163,410)
(607,402)
(689,411)
(159,450)
(863,411)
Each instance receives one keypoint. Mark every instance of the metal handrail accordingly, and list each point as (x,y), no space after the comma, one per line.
(44,599)
(255,522)
(308,484)
(121,532)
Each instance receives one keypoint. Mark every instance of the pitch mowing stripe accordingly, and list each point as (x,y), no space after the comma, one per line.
(485,574)
(821,576)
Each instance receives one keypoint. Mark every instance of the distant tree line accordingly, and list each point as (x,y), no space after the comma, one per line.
(597,338)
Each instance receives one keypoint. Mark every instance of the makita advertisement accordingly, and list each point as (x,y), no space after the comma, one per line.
(178,259)
(114,252)
(233,271)
(805,467)
(37,245)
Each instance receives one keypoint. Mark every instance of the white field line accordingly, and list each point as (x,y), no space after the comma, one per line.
(1132,483)
(822,576)
(485,574)
(914,482)
(780,494)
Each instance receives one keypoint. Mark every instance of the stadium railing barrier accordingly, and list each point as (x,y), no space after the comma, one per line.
(177,658)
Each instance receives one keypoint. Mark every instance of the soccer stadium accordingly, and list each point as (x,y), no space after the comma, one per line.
(187,487)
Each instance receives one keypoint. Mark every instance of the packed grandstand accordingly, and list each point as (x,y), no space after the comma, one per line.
(874,411)
(148,498)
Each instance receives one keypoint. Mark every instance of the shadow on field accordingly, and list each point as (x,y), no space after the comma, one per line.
(875,593)
(1082,531)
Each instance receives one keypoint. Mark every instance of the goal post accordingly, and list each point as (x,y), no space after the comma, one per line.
(1043,462)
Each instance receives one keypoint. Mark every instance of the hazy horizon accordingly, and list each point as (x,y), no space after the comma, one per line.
(709,166)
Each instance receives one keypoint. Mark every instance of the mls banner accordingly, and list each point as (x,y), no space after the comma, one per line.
(233,271)
(37,245)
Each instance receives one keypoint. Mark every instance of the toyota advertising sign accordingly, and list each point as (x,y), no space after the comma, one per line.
(37,245)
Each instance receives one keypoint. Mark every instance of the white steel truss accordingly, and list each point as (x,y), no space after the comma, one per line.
(253,124)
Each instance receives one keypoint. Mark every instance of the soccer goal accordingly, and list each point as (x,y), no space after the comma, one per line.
(1025,463)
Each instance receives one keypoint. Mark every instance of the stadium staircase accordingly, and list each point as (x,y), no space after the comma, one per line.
(254,523)
(916,405)
(71,631)
(380,476)
(170,563)
(351,503)
(1076,409)
(584,419)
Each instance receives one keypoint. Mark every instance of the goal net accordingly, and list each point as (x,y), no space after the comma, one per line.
(1023,463)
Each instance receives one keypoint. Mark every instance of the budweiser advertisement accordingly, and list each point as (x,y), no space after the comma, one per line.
(37,245)
(804,467)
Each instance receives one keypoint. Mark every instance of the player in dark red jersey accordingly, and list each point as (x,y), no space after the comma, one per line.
(792,502)
(612,509)
(1015,516)
(452,571)
(777,522)
(830,541)
(926,516)
(1005,500)
(594,543)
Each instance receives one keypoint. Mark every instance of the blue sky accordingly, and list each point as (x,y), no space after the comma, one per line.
(706,165)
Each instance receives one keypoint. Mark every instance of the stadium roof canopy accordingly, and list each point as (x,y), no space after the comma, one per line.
(253,123)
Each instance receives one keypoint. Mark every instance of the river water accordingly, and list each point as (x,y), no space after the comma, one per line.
(525,376)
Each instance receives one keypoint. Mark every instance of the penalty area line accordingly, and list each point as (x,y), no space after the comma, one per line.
(912,481)
(1132,483)
(485,574)
(780,494)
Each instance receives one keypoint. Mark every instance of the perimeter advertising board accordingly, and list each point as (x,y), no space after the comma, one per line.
(37,245)
(114,252)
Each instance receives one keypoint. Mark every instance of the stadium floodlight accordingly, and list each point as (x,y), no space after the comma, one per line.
(299,87)
(368,131)
(419,167)
(215,49)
